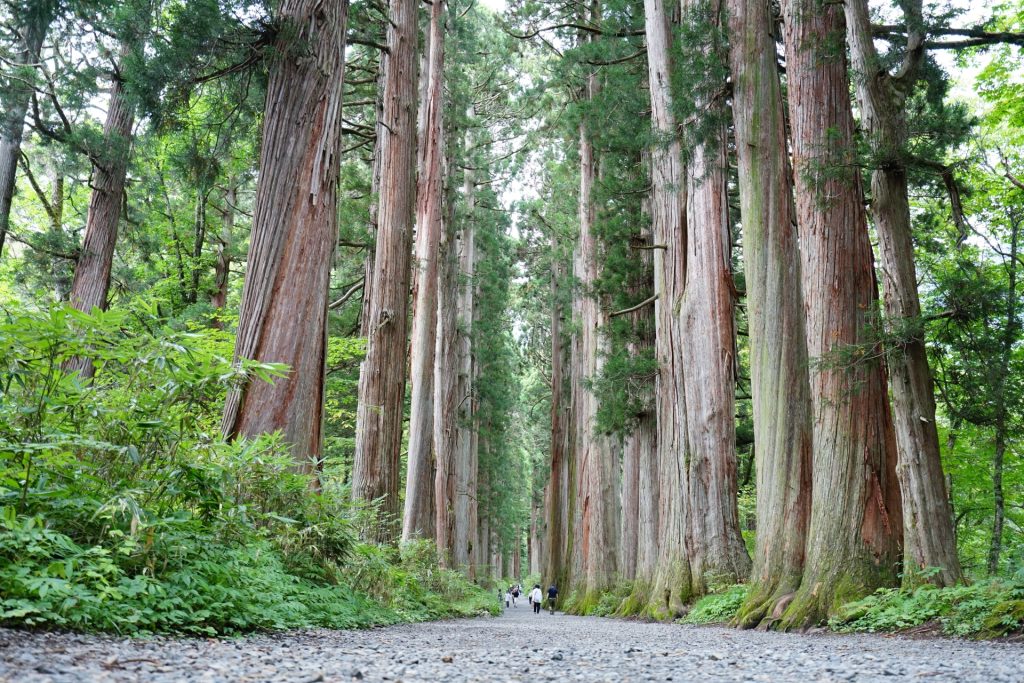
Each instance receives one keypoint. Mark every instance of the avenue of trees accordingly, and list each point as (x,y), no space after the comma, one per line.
(644,299)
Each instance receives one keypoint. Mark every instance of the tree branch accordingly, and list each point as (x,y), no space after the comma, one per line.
(971,37)
(645,302)
(348,294)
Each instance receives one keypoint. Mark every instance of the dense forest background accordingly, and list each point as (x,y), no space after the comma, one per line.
(342,314)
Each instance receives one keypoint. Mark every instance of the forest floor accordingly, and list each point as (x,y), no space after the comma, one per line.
(517,646)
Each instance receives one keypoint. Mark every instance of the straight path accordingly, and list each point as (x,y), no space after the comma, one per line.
(518,646)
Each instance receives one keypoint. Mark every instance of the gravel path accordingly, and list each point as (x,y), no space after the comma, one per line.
(518,646)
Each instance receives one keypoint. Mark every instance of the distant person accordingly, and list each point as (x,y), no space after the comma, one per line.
(536,598)
(552,596)
(508,598)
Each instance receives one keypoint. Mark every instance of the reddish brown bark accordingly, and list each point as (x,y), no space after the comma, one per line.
(929,540)
(596,526)
(375,474)
(91,283)
(31,20)
(420,518)
(854,532)
(714,544)
(283,316)
(670,589)
(557,491)
(775,313)
(466,528)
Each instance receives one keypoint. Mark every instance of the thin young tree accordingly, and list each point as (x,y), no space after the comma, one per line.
(283,316)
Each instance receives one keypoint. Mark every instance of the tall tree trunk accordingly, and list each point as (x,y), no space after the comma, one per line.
(672,579)
(222,268)
(714,544)
(446,398)
(59,269)
(639,485)
(928,538)
(645,438)
(91,283)
(283,317)
(369,260)
(557,494)
(1002,408)
(597,530)
(517,555)
(630,505)
(420,518)
(32,19)
(855,525)
(375,474)
(198,241)
(465,540)
(537,547)
(484,560)
(775,313)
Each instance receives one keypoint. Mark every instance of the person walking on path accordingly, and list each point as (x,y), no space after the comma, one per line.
(508,598)
(552,595)
(536,598)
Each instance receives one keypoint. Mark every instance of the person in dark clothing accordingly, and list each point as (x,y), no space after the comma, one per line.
(552,596)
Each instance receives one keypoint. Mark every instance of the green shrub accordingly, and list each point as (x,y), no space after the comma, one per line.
(985,609)
(718,607)
(124,510)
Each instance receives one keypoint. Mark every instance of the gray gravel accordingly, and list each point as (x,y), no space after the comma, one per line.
(518,646)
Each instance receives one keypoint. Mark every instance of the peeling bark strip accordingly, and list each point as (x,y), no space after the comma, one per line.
(420,518)
(775,313)
(929,541)
(375,473)
(670,585)
(714,544)
(283,315)
(854,532)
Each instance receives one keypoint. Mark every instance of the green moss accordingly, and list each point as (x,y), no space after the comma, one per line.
(635,604)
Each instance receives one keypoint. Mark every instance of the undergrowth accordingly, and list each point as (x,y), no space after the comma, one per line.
(991,608)
(123,510)
(718,607)
(986,609)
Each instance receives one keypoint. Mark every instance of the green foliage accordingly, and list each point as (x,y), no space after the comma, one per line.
(986,609)
(120,511)
(718,607)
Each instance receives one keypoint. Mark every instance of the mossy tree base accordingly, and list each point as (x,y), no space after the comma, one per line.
(766,603)
(817,600)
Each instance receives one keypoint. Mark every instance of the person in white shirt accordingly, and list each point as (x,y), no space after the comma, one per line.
(536,598)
